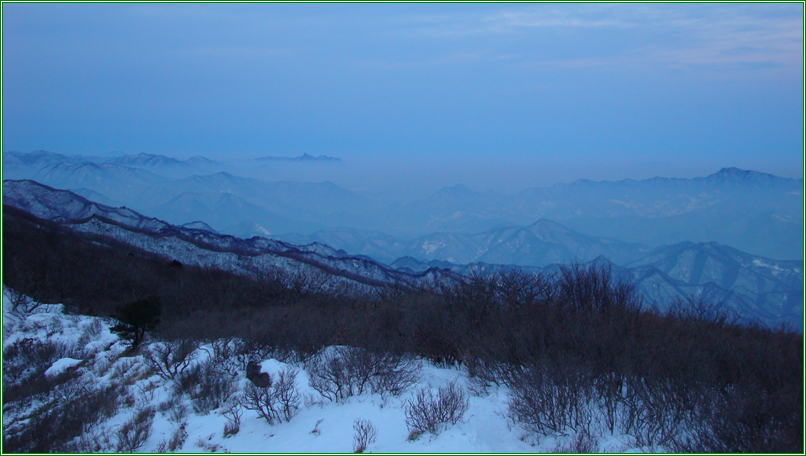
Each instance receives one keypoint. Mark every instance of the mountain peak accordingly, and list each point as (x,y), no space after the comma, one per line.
(733,174)
(308,157)
(546,223)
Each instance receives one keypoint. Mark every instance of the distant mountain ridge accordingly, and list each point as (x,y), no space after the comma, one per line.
(758,213)
(754,287)
(200,246)
(302,158)
(173,190)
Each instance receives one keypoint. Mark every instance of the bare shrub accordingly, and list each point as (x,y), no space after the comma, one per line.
(327,374)
(145,391)
(482,374)
(94,439)
(551,400)
(28,357)
(233,411)
(658,410)
(262,401)
(278,402)
(286,393)
(342,372)
(582,442)
(178,438)
(426,411)
(592,288)
(62,411)
(608,390)
(162,447)
(169,359)
(135,433)
(316,430)
(735,420)
(392,373)
(696,310)
(213,389)
(365,434)
(178,412)
(186,381)
(21,305)
(206,386)
(224,355)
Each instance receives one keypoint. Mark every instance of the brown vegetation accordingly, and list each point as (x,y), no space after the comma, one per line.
(581,336)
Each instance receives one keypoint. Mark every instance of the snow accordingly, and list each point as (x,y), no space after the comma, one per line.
(430,247)
(485,428)
(60,366)
(775,269)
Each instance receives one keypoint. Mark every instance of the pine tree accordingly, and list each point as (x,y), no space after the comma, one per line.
(136,318)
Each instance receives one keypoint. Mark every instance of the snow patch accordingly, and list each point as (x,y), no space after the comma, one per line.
(431,246)
(60,366)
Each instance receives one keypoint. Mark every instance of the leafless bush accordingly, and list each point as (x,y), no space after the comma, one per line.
(134,433)
(187,380)
(315,430)
(212,390)
(551,400)
(343,372)
(657,411)
(224,355)
(178,412)
(62,411)
(233,411)
(583,442)
(28,357)
(365,434)
(485,373)
(427,411)
(592,288)
(286,393)
(307,281)
(392,373)
(93,440)
(21,304)
(178,439)
(736,420)
(170,358)
(697,310)
(278,402)
(608,389)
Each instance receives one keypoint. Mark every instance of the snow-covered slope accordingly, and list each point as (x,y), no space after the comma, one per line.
(91,359)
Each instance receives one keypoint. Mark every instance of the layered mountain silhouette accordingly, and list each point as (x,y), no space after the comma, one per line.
(754,287)
(173,190)
(758,213)
(197,245)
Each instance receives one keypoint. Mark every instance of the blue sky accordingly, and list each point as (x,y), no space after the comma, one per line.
(588,85)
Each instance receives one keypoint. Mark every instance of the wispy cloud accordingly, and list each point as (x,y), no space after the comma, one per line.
(692,37)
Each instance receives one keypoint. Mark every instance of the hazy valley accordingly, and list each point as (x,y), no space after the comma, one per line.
(733,237)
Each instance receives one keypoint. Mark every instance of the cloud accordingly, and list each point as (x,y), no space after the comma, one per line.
(660,37)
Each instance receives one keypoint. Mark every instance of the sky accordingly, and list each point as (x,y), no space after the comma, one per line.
(516,94)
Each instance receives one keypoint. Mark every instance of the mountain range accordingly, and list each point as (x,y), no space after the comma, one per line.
(758,213)
(755,212)
(173,190)
(193,244)
(754,287)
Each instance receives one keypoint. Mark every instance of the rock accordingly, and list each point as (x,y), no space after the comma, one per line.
(259,379)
